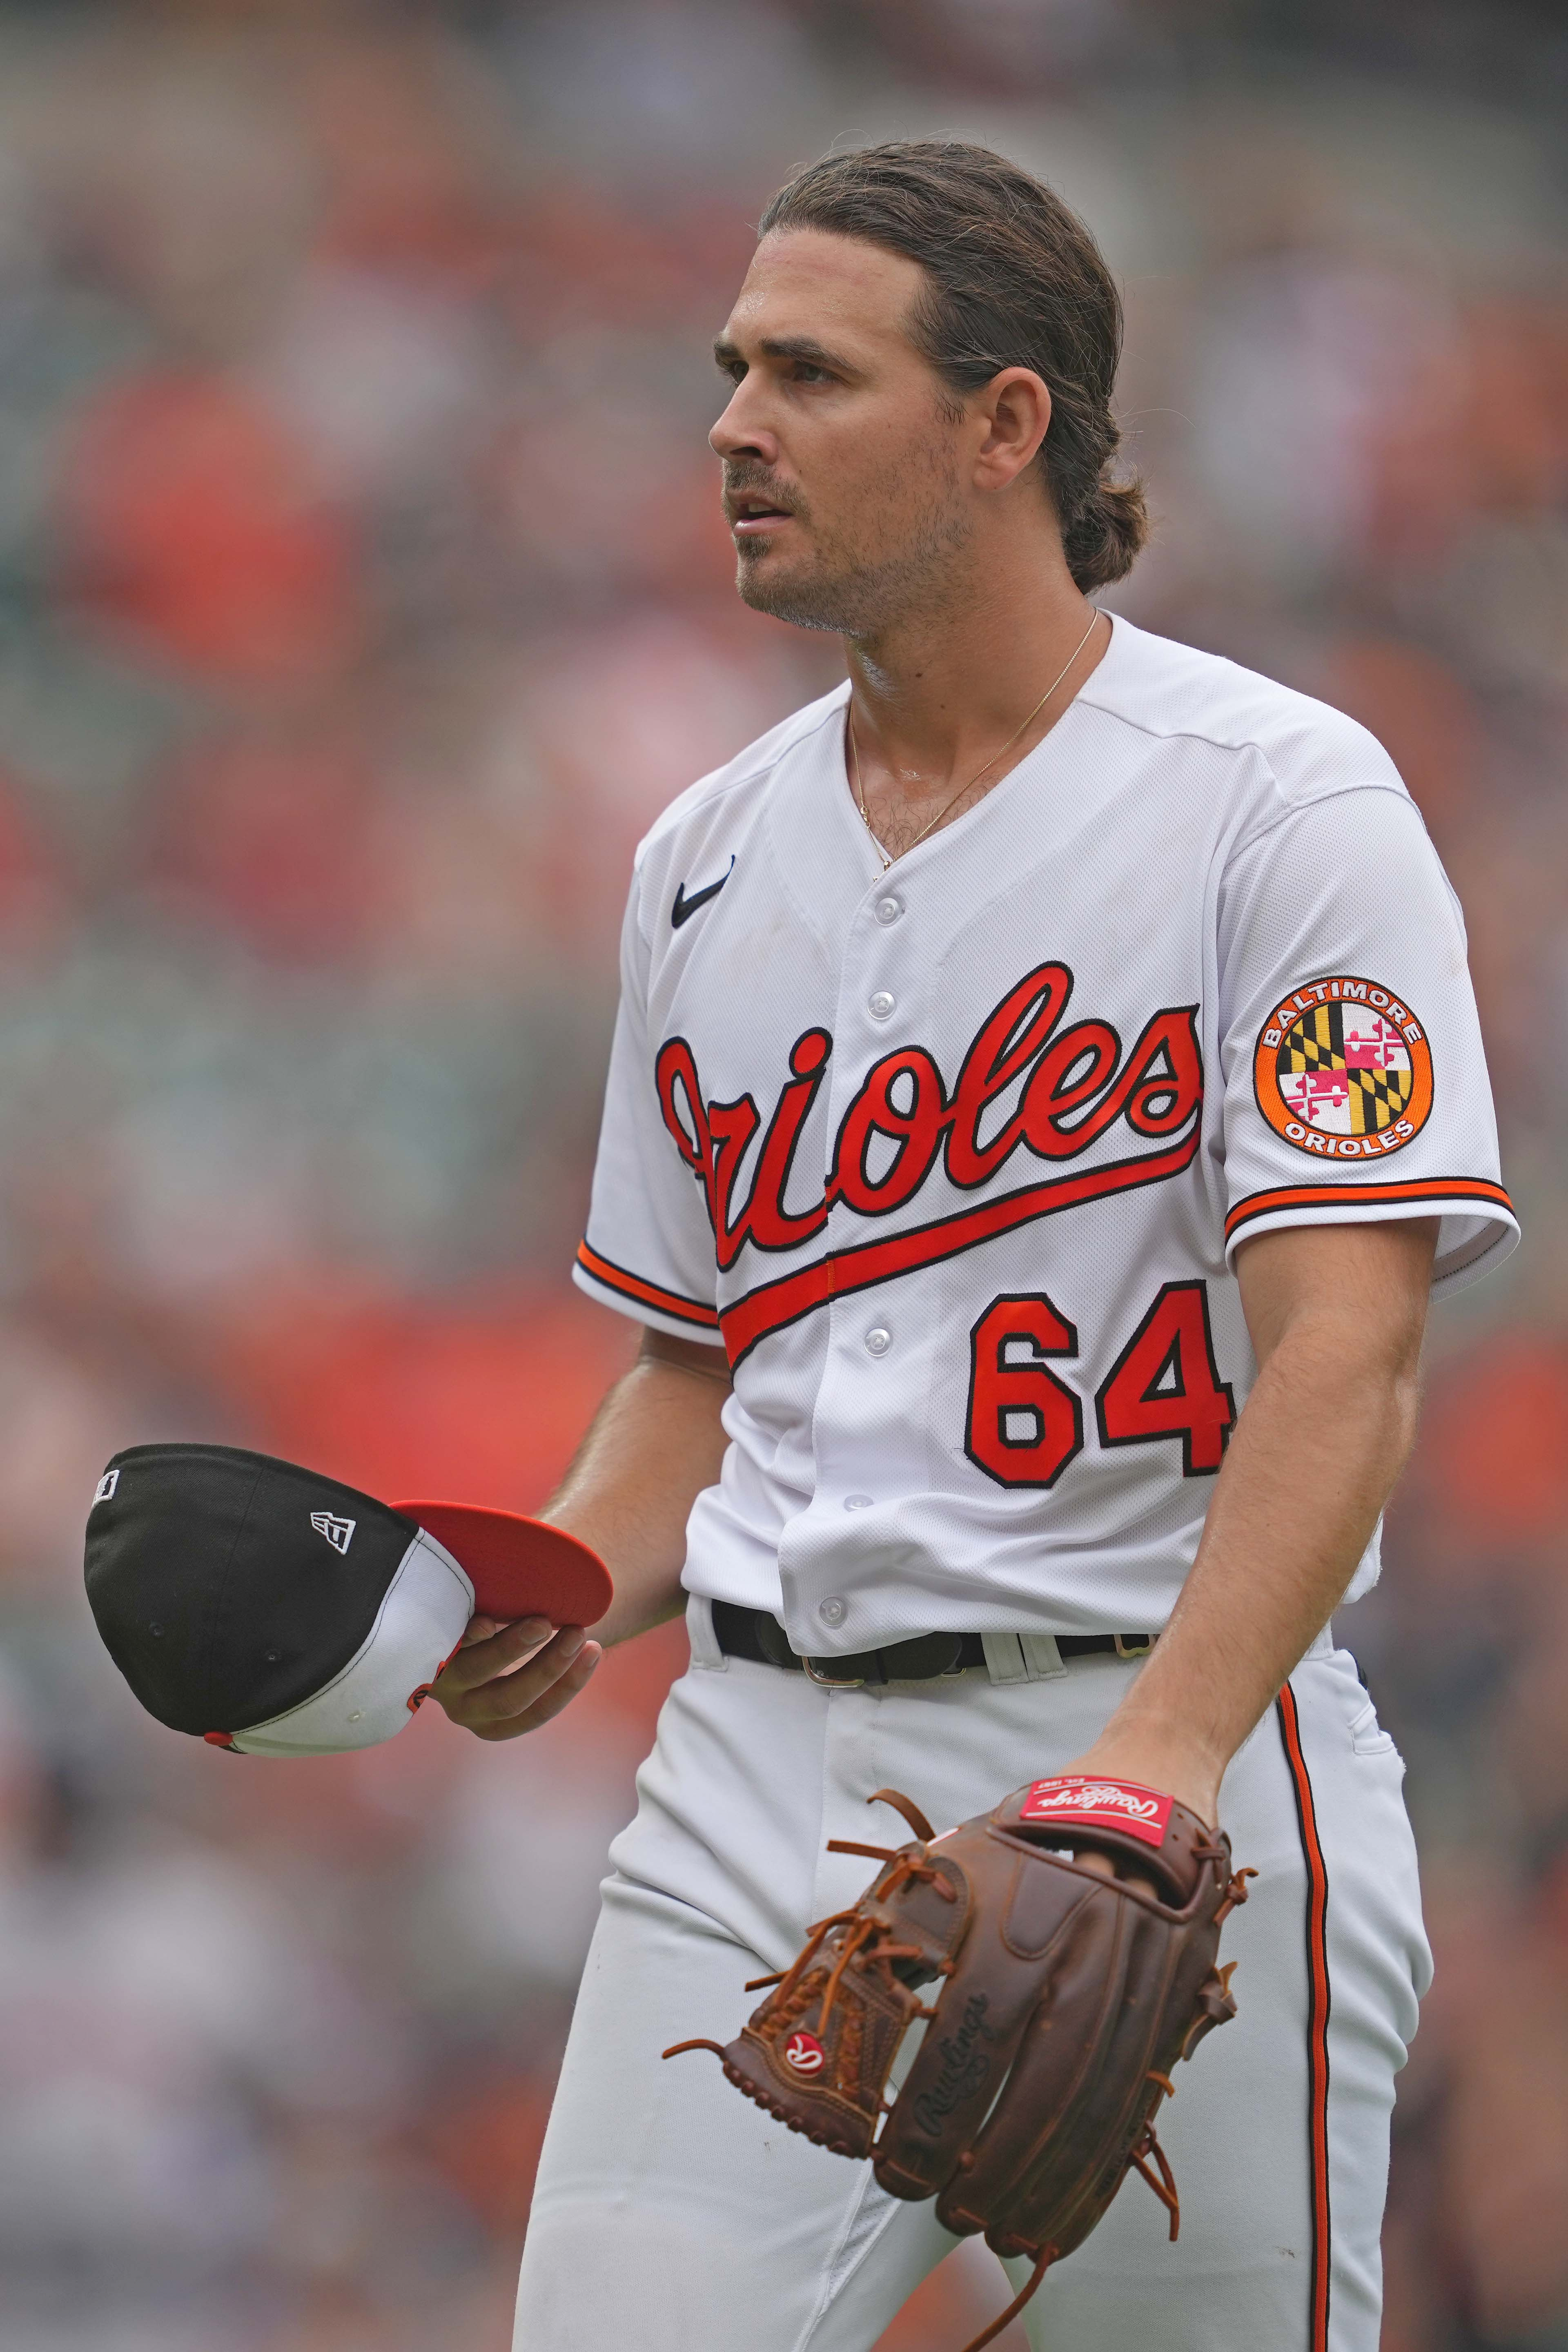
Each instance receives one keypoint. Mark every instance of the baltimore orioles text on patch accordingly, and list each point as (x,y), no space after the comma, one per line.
(1342,1070)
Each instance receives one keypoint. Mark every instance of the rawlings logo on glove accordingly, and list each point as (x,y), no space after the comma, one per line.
(805,2053)
(1017,1930)
(1113,1804)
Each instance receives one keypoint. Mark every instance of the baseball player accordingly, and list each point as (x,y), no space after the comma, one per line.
(1046,1087)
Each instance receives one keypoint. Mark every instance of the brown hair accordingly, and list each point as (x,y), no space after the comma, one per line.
(1014,280)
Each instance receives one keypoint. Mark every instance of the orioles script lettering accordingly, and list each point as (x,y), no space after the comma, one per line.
(1026,1083)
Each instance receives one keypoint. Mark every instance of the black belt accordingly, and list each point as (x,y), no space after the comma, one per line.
(753,1634)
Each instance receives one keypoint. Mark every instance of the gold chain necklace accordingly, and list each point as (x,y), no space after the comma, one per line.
(949,805)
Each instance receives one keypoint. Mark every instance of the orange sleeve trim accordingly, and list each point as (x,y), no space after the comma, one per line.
(1319,2002)
(646,1294)
(1351,1195)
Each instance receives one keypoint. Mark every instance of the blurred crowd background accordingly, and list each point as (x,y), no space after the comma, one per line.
(363,594)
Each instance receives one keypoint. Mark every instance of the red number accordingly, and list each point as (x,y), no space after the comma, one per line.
(1165,1383)
(1025,1425)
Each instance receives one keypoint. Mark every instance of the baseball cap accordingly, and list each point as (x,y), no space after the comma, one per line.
(265,1608)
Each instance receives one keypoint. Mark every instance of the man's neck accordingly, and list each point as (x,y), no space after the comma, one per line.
(936,696)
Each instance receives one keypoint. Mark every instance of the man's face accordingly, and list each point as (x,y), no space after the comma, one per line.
(843,458)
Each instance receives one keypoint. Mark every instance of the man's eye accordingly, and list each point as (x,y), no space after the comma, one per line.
(806,373)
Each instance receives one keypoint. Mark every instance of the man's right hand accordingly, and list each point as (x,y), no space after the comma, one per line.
(504,1680)
(657,1440)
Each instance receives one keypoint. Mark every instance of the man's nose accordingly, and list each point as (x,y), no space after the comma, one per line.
(742,432)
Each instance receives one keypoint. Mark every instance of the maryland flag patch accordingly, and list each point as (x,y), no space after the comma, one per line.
(1342,1070)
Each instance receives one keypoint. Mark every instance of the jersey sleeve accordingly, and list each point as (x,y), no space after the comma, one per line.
(648,1250)
(1355,1082)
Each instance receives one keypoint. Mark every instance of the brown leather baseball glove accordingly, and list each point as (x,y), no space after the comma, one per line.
(1073,1932)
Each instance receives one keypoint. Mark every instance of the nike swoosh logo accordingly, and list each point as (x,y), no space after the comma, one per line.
(685,907)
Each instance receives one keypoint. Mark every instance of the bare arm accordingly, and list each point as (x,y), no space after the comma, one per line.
(1336,1313)
(656,1442)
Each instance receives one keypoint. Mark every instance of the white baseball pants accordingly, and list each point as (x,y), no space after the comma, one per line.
(672,2215)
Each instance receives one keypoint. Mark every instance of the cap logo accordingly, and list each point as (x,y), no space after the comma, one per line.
(106,1487)
(338,1532)
(1123,1805)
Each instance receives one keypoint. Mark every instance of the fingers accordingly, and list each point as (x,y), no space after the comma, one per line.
(486,1650)
(508,1680)
(1091,1858)
(560,1695)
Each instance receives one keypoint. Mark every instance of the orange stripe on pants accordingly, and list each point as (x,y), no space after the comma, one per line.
(1318,2004)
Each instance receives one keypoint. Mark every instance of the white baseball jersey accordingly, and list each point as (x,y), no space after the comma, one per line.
(954,1159)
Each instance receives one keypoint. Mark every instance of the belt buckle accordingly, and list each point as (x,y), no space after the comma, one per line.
(832,1682)
(1125,1649)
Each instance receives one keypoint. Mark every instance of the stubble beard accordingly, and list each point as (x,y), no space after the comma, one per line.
(920,565)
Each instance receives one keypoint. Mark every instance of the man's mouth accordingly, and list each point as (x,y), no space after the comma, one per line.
(752,515)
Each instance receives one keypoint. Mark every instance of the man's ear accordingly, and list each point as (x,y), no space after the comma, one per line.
(1015,409)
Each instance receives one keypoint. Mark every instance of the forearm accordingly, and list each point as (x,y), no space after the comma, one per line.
(1324,1435)
(656,1442)
(1279,1549)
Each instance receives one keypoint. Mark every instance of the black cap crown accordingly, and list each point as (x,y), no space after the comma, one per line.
(229,1587)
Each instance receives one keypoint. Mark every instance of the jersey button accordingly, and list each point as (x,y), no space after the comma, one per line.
(888,910)
(881,1004)
(879,1340)
(857,1502)
(833,1611)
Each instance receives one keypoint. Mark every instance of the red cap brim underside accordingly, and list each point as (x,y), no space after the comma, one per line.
(518,1567)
